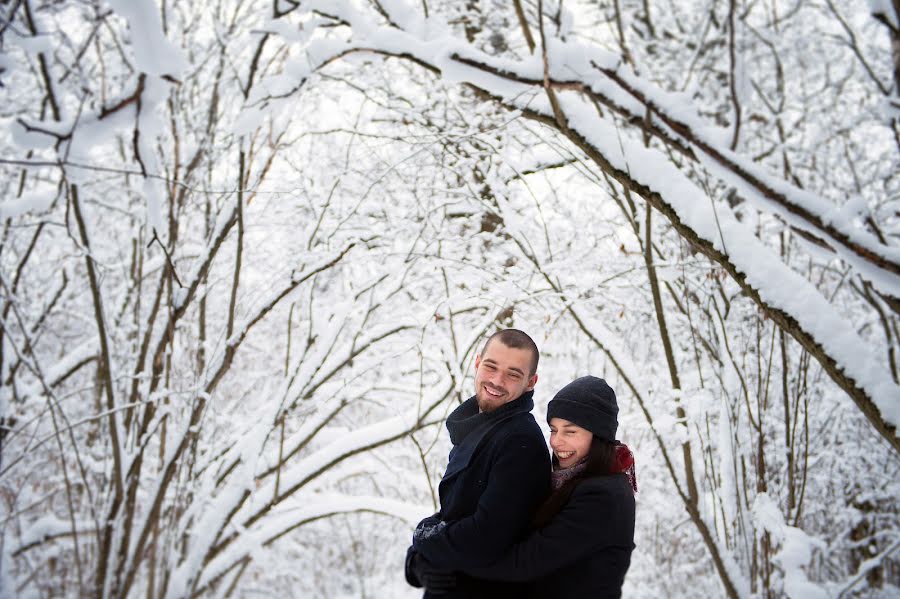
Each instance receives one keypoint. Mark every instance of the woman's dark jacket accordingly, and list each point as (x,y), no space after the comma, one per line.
(497,475)
(585,550)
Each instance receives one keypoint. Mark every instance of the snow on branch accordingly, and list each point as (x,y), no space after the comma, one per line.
(241,332)
(265,518)
(796,305)
(153,53)
(315,507)
(795,552)
(311,466)
(308,468)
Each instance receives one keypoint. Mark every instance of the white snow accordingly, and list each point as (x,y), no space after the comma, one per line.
(31,201)
(795,552)
(886,9)
(49,526)
(29,140)
(42,43)
(316,506)
(343,410)
(154,196)
(218,509)
(153,53)
(179,295)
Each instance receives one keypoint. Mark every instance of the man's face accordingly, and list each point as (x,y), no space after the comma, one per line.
(502,375)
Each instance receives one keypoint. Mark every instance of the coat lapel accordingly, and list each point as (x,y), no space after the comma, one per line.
(462,454)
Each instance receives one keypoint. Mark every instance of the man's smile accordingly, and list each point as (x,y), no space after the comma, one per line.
(494,392)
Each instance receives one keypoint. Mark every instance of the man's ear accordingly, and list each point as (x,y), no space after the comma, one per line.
(532,382)
(477,361)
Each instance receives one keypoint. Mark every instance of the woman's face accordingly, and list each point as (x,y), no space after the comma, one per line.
(570,442)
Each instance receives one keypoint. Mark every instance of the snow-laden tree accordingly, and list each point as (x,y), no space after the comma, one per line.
(250,249)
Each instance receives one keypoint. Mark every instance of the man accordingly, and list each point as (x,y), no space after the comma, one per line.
(497,475)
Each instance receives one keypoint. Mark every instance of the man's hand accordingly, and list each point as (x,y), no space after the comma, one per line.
(434,580)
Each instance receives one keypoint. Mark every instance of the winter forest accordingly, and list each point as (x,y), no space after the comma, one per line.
(250,248)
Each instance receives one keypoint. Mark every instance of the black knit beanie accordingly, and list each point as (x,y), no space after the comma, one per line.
(588,402)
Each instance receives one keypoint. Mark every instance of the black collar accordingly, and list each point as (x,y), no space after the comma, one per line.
(466,418)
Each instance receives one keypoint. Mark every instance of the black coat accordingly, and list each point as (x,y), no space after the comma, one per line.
(583,552)
(497,475)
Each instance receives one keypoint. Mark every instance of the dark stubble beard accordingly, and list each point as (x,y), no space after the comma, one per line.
(488,405)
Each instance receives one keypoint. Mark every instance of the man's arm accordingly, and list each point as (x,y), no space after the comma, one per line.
(409,569)
(518,482)
(596,516)
(412,577)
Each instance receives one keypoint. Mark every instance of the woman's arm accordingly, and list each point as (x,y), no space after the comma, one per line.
(600,513)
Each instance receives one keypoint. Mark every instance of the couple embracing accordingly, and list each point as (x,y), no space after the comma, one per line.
(515,522)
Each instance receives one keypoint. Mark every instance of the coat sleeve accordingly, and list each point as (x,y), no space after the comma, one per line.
(408,570)
(517,483)
(596,516)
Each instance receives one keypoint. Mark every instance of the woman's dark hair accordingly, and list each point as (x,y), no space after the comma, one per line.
(601,459)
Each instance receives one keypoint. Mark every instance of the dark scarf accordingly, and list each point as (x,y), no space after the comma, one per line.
(468,428)
(466,418)
(561,476)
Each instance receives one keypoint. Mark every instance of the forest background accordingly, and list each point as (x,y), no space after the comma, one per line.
(249,250)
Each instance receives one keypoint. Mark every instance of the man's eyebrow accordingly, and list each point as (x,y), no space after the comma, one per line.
(511,368)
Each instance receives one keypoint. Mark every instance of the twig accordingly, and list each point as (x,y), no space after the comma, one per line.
(551,94)
(868,566)
(171,264)
(523,22)
(732,78)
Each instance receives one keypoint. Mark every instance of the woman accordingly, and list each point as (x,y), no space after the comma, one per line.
(584,532)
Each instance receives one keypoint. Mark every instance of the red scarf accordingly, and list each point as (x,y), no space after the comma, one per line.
(625,463)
